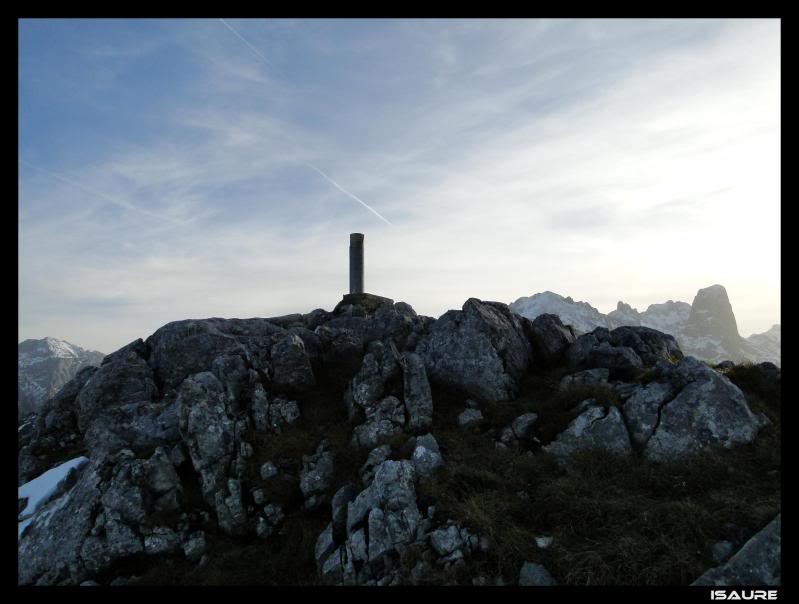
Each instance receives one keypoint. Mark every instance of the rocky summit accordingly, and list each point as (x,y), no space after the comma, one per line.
(370,445)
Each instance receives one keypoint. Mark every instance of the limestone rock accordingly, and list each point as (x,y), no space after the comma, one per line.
(519,430)
(416,393)
(128,379)
(550,338)
(427,457)
(756,563)
(383,421)
(589,377)
(708,411)
(207,431)
(535,574)
(481,349)
(316,475)
(595,428)
(195,546)
(470,418)
(291,365)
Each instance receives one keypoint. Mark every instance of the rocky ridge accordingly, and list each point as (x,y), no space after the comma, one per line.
(706,329)
(208,431)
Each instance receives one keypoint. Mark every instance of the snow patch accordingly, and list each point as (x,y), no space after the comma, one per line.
(41,488)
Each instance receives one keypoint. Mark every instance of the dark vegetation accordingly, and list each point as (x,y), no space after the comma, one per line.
(613,520)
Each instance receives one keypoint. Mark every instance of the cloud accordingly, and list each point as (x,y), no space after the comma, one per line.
(599,159)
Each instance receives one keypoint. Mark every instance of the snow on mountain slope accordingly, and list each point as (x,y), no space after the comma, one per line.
(41,489)
(44,366)
(705,329)
(580,315)
(667,317)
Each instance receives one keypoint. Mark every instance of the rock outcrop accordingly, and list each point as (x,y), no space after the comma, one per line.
(215,432)
(706,329)
(482,350)
(758,562)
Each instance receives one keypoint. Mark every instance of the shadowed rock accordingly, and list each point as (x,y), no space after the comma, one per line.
(481,350)
(756,563)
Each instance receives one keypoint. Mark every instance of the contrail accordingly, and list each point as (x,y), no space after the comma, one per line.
(243,39)
(355,197)
(118,202)
(325,176)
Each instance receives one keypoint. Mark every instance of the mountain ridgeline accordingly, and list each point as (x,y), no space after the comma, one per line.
(370,445)
(44,366)
(706,329)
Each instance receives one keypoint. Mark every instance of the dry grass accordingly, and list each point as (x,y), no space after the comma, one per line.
(614,520)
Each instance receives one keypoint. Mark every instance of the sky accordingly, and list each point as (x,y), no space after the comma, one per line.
(190,168)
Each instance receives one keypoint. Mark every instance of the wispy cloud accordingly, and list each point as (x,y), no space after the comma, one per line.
(243,39)
(355,197)
(599,159)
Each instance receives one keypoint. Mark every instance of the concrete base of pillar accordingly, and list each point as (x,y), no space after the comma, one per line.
(368,302)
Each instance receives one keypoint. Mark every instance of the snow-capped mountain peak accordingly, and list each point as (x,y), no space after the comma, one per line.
(44,366)
(705,329)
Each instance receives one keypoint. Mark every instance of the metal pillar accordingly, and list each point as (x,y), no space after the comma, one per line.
(356,263)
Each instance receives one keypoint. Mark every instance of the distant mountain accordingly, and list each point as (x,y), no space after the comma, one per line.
(44,366)
(706,329)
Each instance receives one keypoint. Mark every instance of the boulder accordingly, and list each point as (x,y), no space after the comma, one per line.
(339,504)
(708,410)
(649,344)
(518,430)
(416,392)
(625,351)
(535,574)
(470,418)
(368,386)
(587,378)
(316,475)
(207,431)
(447,540)
(342,344)
(384,420)
(426,457)
(376,457)
(550,338)
(381,521)
(595,428)
(481,350)
(182,348)
(98,519)
(291,365)
(756,563)
(127,379)
(195,546)
(282,415)
(141,426)
(642,410)
(272,518)
(48,557)
(591,351)
(230,511)
(232,372)
(268,470)
(162,540)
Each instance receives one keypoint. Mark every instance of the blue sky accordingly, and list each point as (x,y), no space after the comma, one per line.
(175,169)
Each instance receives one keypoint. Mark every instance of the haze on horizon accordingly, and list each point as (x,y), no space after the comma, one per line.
(191,168)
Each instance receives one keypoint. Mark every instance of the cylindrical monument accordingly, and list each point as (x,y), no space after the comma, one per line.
(356,263)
